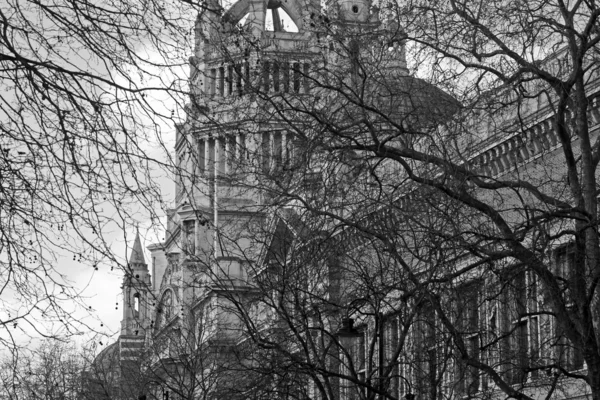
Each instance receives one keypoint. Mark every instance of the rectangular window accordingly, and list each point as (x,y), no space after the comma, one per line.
(247,86)
(533,322)
(564,268)
(210,158)
(213,81)
(515,328)
(266,152)
(406,364)
(277,150)
(391,341)
(266,76)
(221,156)
(521,326)
(221,81)
(231,154)
(230,80)
(491,335)
(239,79)
(241,144)
(285,69)
(276,76)
(361,364)
(201,157)
(297,77)
(306,83)
(568,355)
(469,323)
(427,367)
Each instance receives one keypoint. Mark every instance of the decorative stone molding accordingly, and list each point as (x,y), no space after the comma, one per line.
(526,145)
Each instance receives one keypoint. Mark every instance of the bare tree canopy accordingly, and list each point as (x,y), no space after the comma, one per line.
(424,169)
(86,90)
(373,200)
(51,372)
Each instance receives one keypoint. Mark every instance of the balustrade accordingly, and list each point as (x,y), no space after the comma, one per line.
(528,144)
(235,79)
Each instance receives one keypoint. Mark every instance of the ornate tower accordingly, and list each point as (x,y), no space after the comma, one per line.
(136,289)
(244,55)
(251,61)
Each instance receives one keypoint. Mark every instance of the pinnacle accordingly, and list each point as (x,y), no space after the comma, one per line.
(137,253)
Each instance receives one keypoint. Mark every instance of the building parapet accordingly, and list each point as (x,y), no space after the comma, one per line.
(525,145)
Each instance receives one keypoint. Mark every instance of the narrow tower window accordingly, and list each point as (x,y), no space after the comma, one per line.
(221,81)
(136,305)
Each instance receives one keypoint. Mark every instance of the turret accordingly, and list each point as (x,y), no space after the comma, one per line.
(136,292)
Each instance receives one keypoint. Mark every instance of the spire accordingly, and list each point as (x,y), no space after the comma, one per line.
(135,289)
(137,253)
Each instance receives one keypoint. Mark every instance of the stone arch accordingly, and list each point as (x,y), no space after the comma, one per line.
(240,8)
(166,308)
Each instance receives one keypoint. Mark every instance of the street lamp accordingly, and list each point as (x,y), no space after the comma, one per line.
(347,333)
(410,395)
(347,336)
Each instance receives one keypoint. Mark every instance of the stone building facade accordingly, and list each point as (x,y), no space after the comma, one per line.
(256,294)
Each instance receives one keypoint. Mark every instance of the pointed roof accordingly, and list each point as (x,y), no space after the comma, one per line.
(137,252)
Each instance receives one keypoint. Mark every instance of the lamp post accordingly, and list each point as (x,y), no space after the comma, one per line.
(409,395)
(381,361)
(347,333)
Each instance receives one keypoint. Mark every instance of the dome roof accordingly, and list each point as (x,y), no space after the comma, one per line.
(414,101)
(107,356)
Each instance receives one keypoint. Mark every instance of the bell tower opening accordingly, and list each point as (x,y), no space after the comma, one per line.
(277,19)
(136,305)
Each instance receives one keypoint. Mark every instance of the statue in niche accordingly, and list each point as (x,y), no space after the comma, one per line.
(165,309)
(167,305)
(189,237)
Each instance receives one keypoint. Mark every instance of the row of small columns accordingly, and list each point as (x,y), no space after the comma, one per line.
(275,76)
(517,149)
(223,155)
